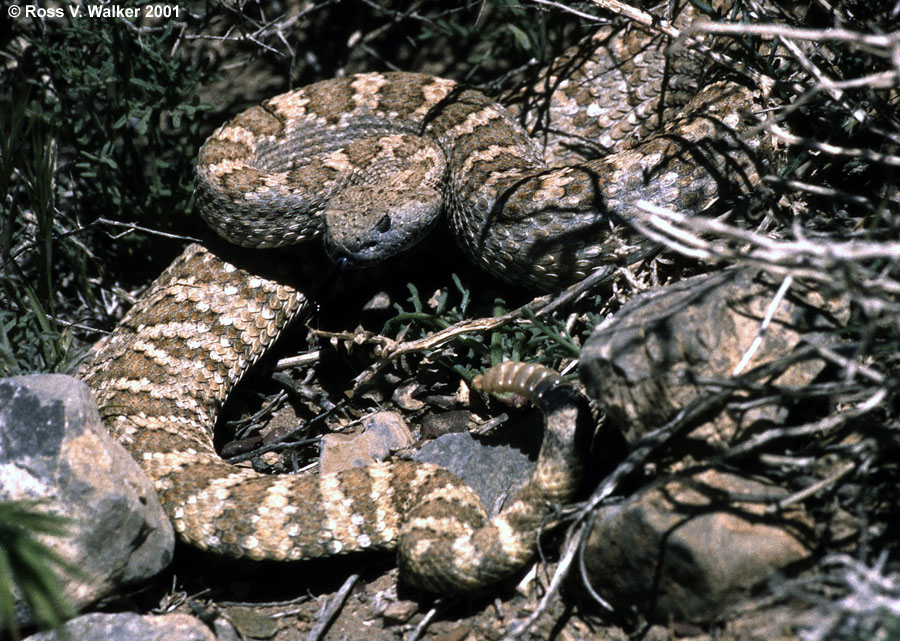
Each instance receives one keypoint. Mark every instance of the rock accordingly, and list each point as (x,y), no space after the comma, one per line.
(651,358)
(241,622)
(434,425)
(383,433)
(128,626)
(684,551)
(492,467)
(456,632)
(399,611)
(494,470)
(54,449)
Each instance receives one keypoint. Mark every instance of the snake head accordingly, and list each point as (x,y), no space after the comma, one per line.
(365,224)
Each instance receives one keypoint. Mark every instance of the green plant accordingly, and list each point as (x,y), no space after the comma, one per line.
(99,125)
(130,111)
(543,340)
(30,567)
(30,337)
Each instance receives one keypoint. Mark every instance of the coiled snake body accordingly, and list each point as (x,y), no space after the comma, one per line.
(369,162)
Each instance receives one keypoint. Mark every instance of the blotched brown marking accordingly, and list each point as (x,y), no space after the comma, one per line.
(330,99)
(259,120)
(217,150)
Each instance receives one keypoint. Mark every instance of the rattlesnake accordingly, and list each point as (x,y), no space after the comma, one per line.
(369,162)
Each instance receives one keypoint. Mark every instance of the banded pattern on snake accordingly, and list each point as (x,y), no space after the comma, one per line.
(161,377)
(368,162)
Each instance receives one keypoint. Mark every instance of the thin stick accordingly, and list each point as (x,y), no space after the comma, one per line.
(770,314)
(330,610)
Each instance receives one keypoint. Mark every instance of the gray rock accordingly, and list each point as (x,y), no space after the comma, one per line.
(494,470)
(54,449)
(686,550)
(651,358)
(128,626)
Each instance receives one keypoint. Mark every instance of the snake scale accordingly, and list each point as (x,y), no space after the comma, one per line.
(368,163)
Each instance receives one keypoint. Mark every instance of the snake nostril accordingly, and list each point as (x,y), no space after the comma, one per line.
(383,225)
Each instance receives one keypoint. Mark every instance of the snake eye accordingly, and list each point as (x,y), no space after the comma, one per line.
(383,224)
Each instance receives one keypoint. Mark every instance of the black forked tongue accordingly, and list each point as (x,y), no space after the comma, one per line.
(342,263)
